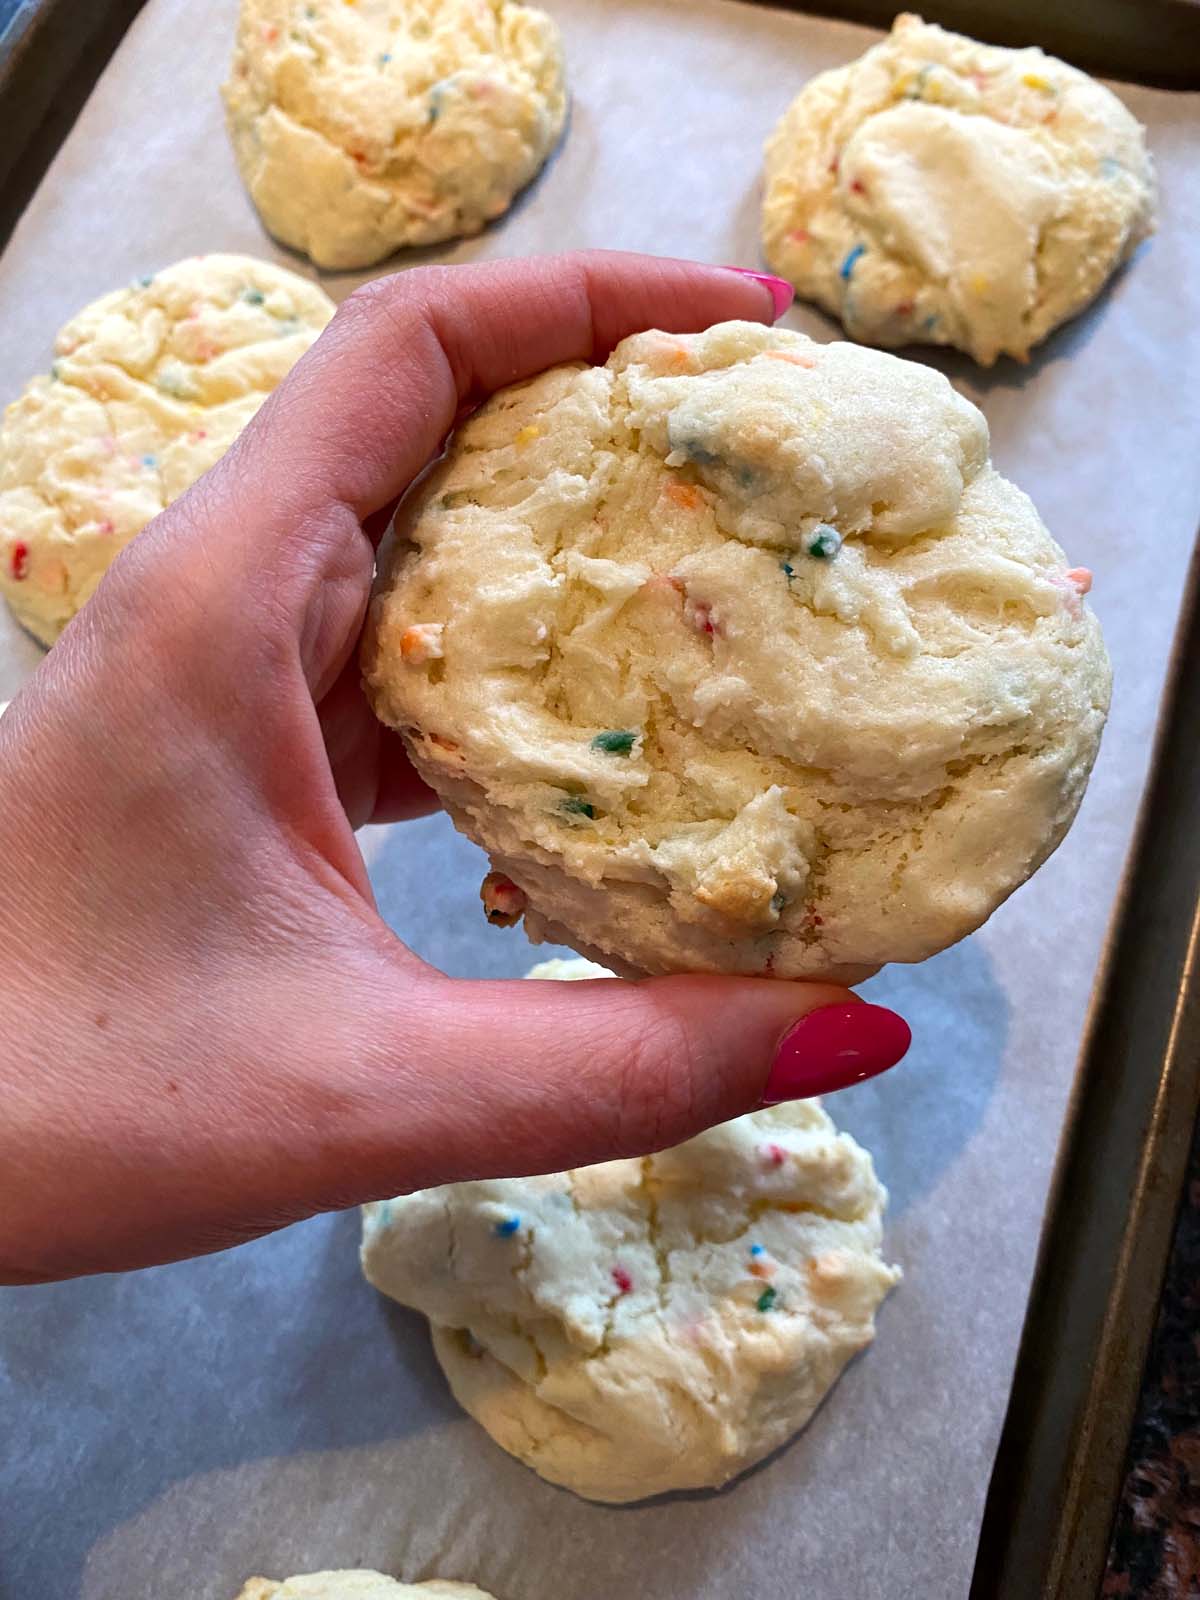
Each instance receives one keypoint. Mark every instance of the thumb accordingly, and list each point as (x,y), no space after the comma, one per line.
(537,1076)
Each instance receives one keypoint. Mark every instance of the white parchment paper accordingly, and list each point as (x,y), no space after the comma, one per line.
(170,1432)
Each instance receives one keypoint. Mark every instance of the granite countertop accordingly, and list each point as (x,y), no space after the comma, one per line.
(1155,1551)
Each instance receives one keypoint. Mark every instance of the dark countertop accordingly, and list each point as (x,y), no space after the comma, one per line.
(1155,1551)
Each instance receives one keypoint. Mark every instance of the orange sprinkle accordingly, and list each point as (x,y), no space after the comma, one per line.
(789,355)
(683,495)
(1081,578)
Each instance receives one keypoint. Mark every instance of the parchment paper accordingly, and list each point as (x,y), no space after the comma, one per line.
(170,1432)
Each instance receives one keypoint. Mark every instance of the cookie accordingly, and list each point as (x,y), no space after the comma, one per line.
(362,128)
(737,655)
(642,1326)
(942,191)
(150,386)
(355,1585)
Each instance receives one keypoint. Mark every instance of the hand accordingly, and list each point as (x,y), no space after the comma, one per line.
(206,1032)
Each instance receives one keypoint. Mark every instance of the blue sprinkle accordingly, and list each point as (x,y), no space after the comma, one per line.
(756,1250)
(384,58)
(1110,167)
(786,566)
(930,324)
(847,266)
(436,95)
(149,461)
(144,283)
(506,1229)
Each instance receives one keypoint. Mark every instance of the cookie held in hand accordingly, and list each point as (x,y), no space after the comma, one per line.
(737,655)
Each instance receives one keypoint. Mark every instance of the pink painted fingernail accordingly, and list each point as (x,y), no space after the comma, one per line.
(834,1047)
(782,293)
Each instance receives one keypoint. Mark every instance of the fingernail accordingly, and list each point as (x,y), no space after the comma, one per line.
(834,1047)
(782,292)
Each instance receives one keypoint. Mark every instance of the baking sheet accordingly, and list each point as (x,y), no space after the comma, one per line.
(170,1432)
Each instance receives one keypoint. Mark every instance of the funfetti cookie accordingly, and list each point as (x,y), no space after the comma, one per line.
(737,655)
(359,129)
(149,387)
(642,1326)
(942,191)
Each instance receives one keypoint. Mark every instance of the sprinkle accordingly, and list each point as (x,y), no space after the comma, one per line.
(576,806)
(269,32)
(144,283)
(774,1155)
(18,560)
(622,1280)
(799,236)
(977,283)
(825,542)
(1081,578)
(615,742)
(196,436)
(422,642)
(55,372)
(756,1250)
(702,618)
(904,309)
(503,903)
(683,495)
(762,1269)
(150,461)
(384,57)
(108,526)
(253,297)
(930,323)
(857,186)
(765,1300)
(527,435)
(505,1228)
(847,266)
(786,567)
(778,901)
(1034,80)
(791,356)
(1110,167)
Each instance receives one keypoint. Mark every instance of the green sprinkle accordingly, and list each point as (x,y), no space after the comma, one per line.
(576,806)
(253,297)
(144,283)
(765,1300)
(825,542)
(616,742)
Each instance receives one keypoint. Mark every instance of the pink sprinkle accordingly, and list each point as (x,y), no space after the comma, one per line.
(702,618)
(108,526)
(1081,578)
(799,236)
(774,1154)
(200,433)
(622,1280)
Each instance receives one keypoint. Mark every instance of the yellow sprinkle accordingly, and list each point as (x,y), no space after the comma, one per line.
(1034,80)
(978,283)
(527,435)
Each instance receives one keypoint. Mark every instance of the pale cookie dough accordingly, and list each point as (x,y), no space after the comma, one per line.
(942,191)
(642,1326)
(737,655)
(355,1585)
(359,128)
(150,387)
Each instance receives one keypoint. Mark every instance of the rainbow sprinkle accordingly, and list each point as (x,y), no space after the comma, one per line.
(847,266)
(765,1300)
(505,1228)
(615,742)
(825,542)
(756,1250)
(576,806)
(622,1280)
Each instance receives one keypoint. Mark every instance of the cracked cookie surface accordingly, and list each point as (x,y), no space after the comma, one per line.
(647,1325)
(942,191)
(355,1584)
(737,655)
(150,386)
(359,129)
